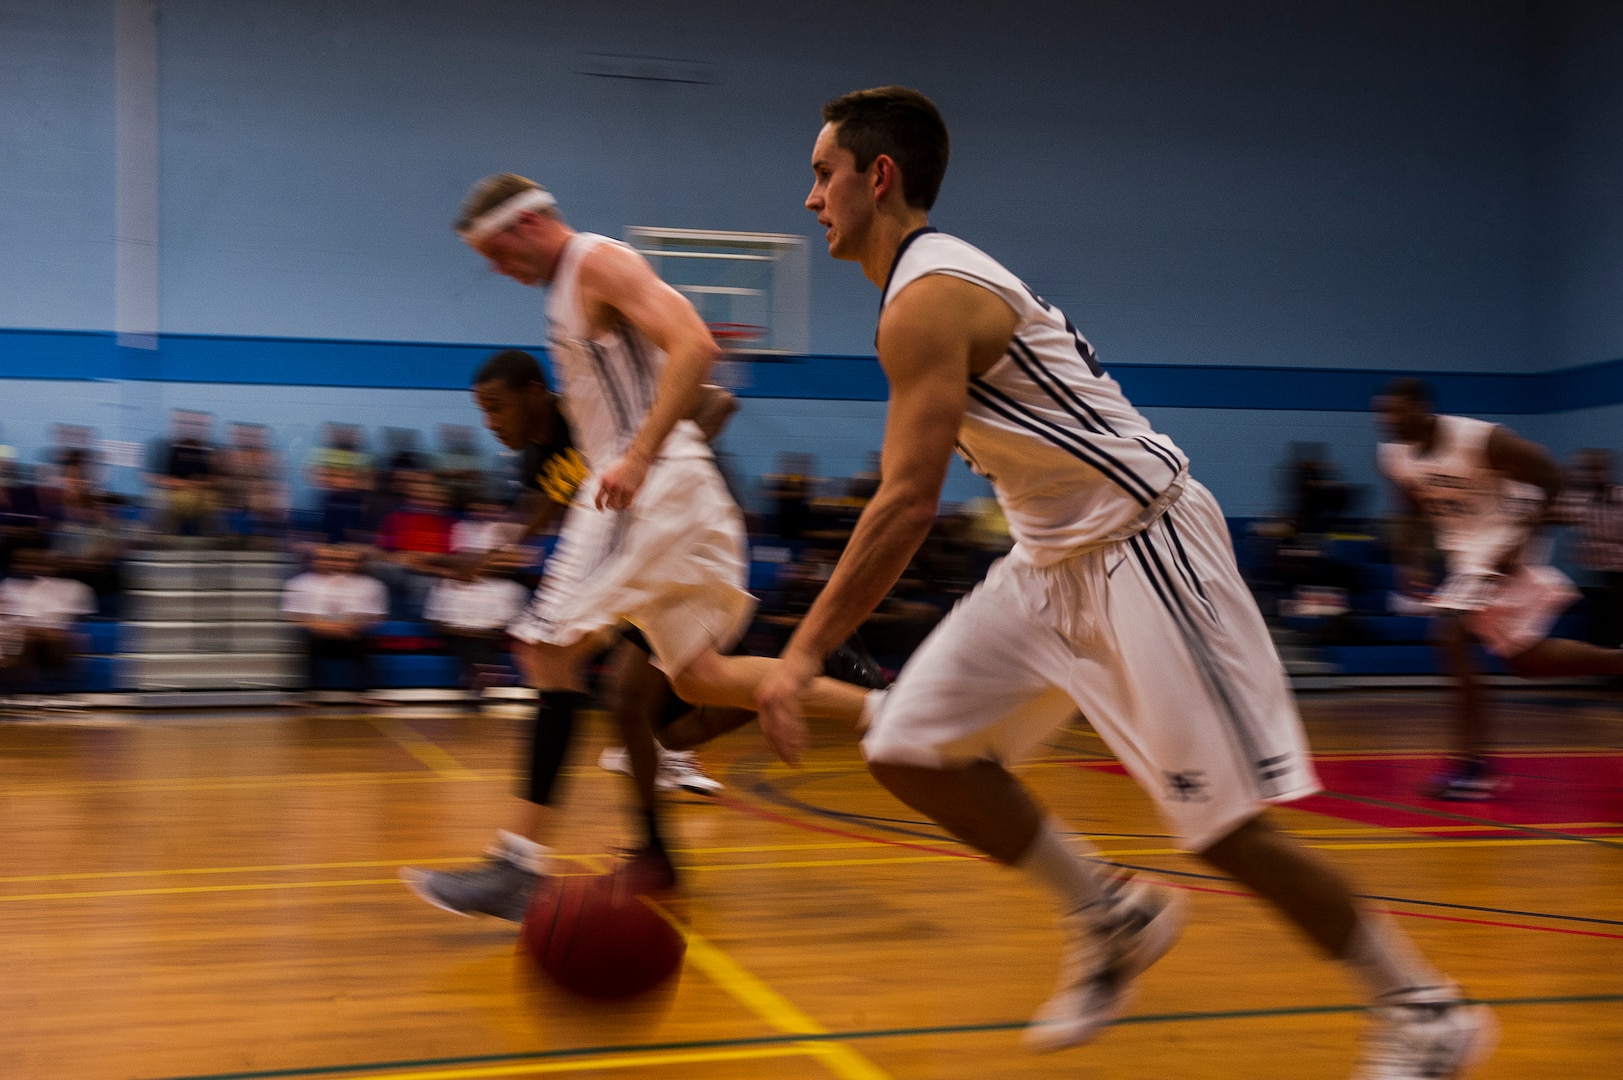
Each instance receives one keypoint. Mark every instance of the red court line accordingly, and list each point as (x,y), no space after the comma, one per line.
(734,803)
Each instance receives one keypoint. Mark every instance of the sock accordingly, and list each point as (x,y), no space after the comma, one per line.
(650,828)
(1075,883)
(524,853)
(549,741)
(1389,965)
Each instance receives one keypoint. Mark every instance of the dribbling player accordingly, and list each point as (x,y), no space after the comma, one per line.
(653,540)
(1486,492)
(1120,597)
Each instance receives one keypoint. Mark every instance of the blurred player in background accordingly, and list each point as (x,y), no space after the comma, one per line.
(652,538)
(1121,597)
(1486,493)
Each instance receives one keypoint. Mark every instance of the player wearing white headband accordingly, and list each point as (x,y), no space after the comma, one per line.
(652,539)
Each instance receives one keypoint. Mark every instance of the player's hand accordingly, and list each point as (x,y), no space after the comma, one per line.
(777,700)
(621,482)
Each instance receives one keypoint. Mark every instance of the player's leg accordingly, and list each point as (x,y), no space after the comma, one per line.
(515,862)
(1213,736)
(981,691)
(1558,657)
(1466,776)
(1424,1027)
(730,682)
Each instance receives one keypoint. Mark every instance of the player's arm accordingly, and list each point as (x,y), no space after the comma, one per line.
(715,408)
(619,279)
(1528,463)
(931,337)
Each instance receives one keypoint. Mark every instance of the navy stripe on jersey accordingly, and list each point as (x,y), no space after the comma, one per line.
(1167,592)
(1076,446)
(646,381)
(1187,567)
(611,389)
(896,260)
(1068,399)
(1064,396)
(1116,470)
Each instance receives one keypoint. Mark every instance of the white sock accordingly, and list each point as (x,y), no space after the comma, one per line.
(1390,966)
(1065,873)
(524,853)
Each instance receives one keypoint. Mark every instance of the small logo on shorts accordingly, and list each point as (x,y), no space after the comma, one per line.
(1187,786)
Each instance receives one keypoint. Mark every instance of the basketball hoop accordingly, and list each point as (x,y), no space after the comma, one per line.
(735,337)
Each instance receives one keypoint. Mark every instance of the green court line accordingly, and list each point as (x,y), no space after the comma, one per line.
(843,1036)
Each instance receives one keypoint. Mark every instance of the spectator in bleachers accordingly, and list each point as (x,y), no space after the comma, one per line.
(790,491)
(472,609)
(22,516)
(341,472)
(337,607)
(91,537)
(183,478)
(416,541)
(253,482)
(1594,504)
(38,610)
(486,527)
(460,467)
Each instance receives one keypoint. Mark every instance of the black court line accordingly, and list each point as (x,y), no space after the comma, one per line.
(845,1036)
(771,793)
(1448,815)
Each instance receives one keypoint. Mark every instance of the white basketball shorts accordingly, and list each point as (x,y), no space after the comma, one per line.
(1157,641)
(674,565)
(1522,610)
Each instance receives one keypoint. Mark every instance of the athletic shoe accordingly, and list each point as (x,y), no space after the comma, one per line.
(1435,1040)
(499,886)
(1102,958)
(1465,781)
(679,770)
(853,663)
(647,870)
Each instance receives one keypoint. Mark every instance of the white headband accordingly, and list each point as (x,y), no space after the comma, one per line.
(503,214)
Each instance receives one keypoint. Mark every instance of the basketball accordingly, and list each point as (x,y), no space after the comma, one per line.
(596,937)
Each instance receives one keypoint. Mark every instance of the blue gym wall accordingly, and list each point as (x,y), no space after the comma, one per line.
(1354,185)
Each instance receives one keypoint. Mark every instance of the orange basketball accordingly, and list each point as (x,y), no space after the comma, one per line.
(596,937)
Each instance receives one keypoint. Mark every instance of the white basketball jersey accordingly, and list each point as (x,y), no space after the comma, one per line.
(1072,462)
(606,382)
(1475,512)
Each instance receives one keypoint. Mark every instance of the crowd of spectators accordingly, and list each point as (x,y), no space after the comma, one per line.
(403,536)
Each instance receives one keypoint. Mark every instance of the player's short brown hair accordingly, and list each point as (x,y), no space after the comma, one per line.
(490,193)
(898,122)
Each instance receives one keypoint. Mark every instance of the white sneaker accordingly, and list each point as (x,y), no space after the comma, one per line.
(679,770)
(615,759)
(1427,1040)
(1102,958)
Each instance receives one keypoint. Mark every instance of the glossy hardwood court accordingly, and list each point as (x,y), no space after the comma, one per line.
(192,898)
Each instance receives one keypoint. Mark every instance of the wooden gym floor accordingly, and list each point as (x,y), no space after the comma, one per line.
(216,898)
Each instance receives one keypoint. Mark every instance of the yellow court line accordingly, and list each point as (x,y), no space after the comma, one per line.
(277,869)
(777,1010)
(588,1063)
(246,783)
(180,890)
(424,750)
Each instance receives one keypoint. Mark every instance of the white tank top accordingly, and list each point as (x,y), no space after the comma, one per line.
(1073,464)
(1475,512)
(606,383)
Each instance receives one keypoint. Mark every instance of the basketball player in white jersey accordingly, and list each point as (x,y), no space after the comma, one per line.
(1120,598)
(1485,492)
(652,539)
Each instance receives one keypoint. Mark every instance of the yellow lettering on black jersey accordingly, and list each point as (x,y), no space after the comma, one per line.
(562,476)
